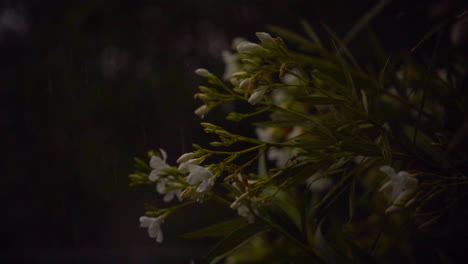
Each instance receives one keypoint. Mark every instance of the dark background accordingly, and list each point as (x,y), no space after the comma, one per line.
(85,86)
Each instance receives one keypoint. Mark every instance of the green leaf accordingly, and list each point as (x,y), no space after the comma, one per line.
(141,164)
(280,123)
(299,174)
(364,101)
(291,36)
(236,239)
(359,255)
(342,48)
(364,21)
(285,202)
(311,32)
(314,145)
(231,189)
(424,146)
(218,229)
(318,100)
(361,147)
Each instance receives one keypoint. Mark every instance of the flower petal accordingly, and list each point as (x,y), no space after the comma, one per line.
(146,221)
(389,171)
(164,154)
(185,157)
(387,187)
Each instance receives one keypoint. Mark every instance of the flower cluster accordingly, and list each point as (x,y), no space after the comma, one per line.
(324,129)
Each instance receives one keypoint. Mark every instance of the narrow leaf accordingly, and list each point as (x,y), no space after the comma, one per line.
(365,20)
(311,32)
(235,240)
(219,229)
(318,100)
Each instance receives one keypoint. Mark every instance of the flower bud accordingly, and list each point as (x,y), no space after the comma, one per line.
(266,39)
(249,47)
(185,157)
(202,110)
(201,96)
(257,96)
(245,84)
(203,73)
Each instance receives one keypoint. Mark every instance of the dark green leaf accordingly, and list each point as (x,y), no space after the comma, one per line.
(288,206)
(291,36)
(360,147)
(231,189)
(217,230)
(317,100)
(280,123)
(364,21)
(236,239)
(311,32)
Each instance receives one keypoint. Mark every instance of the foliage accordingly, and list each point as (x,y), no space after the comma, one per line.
(330,134)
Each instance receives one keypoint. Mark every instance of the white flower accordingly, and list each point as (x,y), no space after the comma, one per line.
(265,134)
(203,73)
(257,95)
(168,189)
(318,182)
(184,166)
(231,64)
(401,186)
(244,211)
(158,165)
(295,132)
(154,226)
(201,175)
(281,155)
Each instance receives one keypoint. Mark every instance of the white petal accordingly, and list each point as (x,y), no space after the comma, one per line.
(159,236)
(154,229)
(202,110)
(404,196)
(164,154)
(169,196)
(249,47)
(389,171)
(392,209)
(203,73)
(265,38)
(153,176)
(387,187)
(185,157)
(198,174)
(264,134)
(157,163)
(206,185)
(161,187)
(408,181)
(184,167)
(146,221)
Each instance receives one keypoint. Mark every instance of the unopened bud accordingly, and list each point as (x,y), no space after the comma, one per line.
(185,157)
(257,96)
(202,110)
(249,47)
(266,39)
(203,73)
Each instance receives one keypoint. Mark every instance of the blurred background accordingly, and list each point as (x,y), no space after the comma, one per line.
(85,86)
